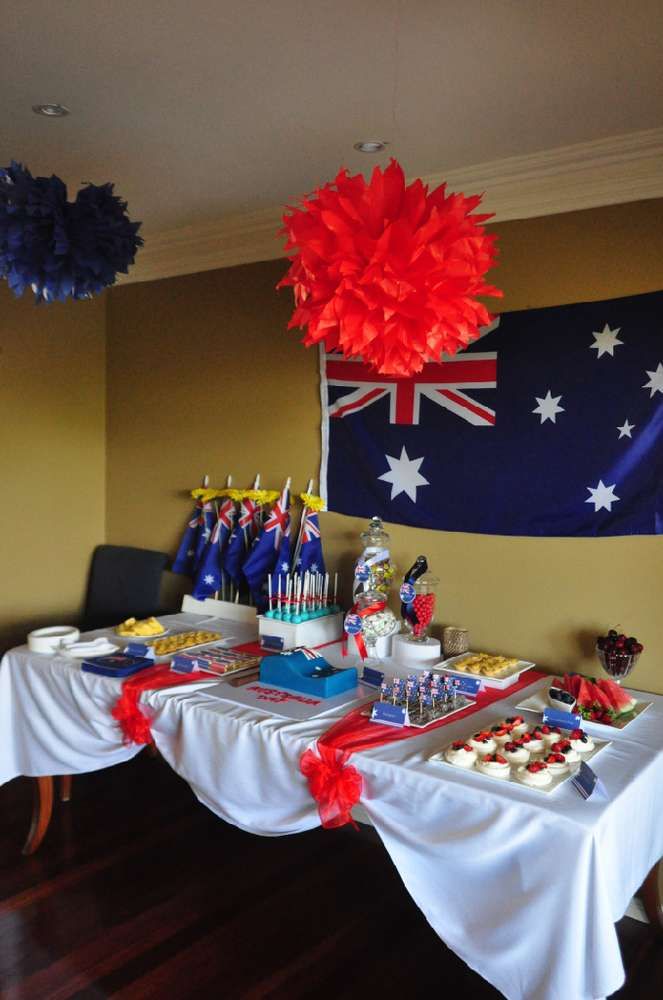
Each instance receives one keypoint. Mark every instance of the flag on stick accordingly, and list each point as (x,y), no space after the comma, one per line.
(195,538)
(209,575)
(267,547)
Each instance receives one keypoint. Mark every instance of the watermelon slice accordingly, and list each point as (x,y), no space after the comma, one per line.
(621,702)
(585,693)
(601,698)
(570,683)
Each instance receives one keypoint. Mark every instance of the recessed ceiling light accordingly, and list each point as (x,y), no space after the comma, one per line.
(50,110)
(371,146)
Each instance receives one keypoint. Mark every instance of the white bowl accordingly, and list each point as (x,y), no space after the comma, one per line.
(48,640)
(561,703)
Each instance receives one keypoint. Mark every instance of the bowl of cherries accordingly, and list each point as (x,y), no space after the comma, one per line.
(618,653)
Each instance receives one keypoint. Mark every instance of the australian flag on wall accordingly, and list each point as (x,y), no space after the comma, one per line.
(550,424)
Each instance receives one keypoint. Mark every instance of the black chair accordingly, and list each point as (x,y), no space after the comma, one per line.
(123,582)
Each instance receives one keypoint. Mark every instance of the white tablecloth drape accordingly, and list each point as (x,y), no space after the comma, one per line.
(525,887)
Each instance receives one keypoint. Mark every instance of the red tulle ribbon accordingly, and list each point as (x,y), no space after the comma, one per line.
(369,609)
(388,272)
(334,786)
(337,786)
(134,724)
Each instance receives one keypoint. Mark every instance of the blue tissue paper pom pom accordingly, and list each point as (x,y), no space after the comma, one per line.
(57,248)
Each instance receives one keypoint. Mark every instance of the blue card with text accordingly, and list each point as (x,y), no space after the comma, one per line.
(468,685)
(563,720)
(388,714)
(139,649)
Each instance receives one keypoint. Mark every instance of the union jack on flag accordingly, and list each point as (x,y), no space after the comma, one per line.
(443,383)
(267,547)
(310,553)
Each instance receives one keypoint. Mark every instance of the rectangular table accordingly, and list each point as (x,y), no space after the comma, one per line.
(525,887)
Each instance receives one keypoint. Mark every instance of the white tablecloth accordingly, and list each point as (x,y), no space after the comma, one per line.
(523,886)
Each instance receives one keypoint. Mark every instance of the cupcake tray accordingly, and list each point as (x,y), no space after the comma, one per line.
(538,701)
(557,780)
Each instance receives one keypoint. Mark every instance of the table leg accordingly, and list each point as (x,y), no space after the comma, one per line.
(41,813)
(65,788)
(651,894)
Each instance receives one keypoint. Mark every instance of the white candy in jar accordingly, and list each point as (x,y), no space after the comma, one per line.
(379,624)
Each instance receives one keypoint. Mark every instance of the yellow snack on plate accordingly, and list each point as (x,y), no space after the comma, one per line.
(142,627)
(184,640)
(485,663)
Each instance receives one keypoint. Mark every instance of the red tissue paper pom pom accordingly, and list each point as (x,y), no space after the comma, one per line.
(387,271)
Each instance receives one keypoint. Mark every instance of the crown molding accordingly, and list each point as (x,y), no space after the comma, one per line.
(609,171)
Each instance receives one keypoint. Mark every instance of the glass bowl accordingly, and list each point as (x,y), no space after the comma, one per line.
(616,663)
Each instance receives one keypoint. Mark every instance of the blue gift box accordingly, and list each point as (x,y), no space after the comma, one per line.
(306,672)
(116,664)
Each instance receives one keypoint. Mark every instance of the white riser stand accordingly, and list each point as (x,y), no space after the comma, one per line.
(221,609)
(416,655)
(312,633)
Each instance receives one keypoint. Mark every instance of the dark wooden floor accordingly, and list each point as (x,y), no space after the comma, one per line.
(138,891)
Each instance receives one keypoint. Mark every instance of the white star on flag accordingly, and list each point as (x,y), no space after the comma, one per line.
(602,496)
(404,475)
(284,567)
(314,567)
(209,579)
(655,380)
(606,341)
(548,407)
(190,552)
(625,430)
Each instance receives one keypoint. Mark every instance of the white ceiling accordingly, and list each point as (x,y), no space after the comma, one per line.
(205,108)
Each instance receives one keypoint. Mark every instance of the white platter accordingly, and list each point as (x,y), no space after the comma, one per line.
(108,649)
(558,780)
(538,701)
(160,657)
(509,677)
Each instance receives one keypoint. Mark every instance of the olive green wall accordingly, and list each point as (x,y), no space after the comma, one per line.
(52,448)
(203,377)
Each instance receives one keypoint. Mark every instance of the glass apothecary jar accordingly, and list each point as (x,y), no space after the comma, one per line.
(420,606)
(374,570)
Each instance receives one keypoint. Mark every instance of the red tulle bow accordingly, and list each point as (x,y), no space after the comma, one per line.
(333,784)
(134,723)
(388,272)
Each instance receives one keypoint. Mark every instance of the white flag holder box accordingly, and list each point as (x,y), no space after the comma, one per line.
(277,634)
(220,609)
